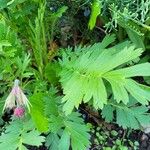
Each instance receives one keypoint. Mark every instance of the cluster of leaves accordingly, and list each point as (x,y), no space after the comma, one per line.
(92,66)
(129,18)
(14,61)
(134,115)
(19,134)
(103,75)
(64,130)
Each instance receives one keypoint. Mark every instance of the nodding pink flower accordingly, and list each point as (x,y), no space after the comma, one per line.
(19,112)
(16,98)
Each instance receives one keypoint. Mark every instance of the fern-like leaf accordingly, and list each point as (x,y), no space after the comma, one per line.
(18,133)
(83,76)
(37,112)
(10,45)
(132,115)
(71,129)
(78,132)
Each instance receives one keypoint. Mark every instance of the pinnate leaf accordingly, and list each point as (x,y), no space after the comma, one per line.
(83,76)
(37,112)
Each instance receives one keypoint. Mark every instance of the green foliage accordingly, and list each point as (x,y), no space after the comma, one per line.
(83,75)
(77,132)
(53,19)
(127,18)
(74,131)
(131,115)
(136,39)
(105,75)
(38,34)
(95,11)
(13,60)
(14,3)
(51,72)
(59,13)
(37,109)
(128,11)
(52,141)
(3,4)
(10,3)
(18,133)
(70,128)
(22,65)
(46,112)
(125,21)
(9,43)
(37,39)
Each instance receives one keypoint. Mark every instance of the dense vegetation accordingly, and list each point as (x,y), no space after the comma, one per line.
(74,74)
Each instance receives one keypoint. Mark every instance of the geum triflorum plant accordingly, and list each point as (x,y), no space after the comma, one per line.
(86,72)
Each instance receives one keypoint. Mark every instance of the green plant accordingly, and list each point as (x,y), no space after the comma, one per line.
(20,133)
(14,61)
(40,35)
(124,18)
(37,39)
(95,11)
(88,68)
(134,115)
(111,77)
(69,131)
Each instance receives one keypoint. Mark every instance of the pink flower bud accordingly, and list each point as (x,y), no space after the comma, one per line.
(19,112)
(16,97)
